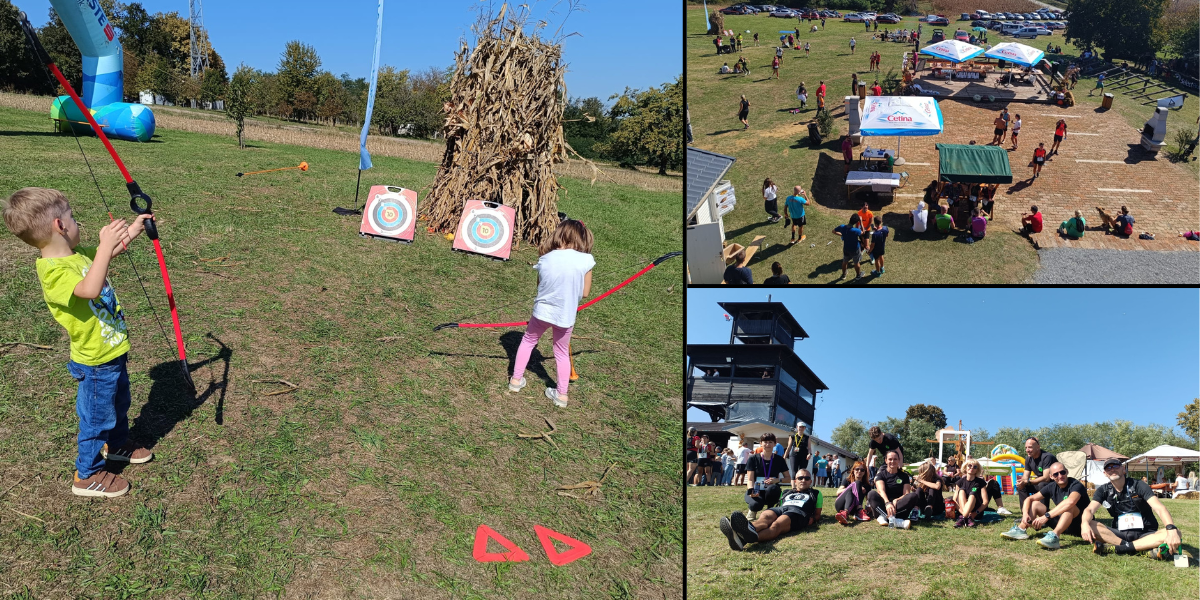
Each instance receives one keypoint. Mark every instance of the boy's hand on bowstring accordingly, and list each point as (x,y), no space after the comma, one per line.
(114,236)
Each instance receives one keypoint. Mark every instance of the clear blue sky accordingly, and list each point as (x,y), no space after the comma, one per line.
(621,42)
(991,357)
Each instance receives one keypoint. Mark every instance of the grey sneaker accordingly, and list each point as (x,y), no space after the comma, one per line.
(1016,533)
(516,388)
(742,527)
(735,542)
(552,394)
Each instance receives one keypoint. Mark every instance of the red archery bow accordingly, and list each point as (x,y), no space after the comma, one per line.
(135,192)
(653,264)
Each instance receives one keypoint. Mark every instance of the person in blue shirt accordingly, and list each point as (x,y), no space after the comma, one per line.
(794,205)
(850,246)
(879,235)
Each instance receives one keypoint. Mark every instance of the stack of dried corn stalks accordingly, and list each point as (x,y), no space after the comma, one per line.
(503,129)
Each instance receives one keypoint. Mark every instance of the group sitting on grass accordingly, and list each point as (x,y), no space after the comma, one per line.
(1050,499)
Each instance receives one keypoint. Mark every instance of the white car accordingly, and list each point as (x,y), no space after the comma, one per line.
(853,18)
(1031,32)
(786,13)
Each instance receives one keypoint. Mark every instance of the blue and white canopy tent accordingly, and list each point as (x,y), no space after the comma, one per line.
(1016,53)
(952,50)
(901,116)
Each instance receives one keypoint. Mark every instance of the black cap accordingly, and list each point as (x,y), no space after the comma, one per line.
(1112,461)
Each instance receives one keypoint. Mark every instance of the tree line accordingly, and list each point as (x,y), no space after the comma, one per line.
(639,127)
(921,423)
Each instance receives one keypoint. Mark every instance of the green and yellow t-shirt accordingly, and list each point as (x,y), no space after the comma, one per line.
(97,327)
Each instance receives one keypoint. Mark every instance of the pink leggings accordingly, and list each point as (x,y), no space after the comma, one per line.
(562,357)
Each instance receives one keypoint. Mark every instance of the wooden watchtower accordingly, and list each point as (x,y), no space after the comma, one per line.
(757,375)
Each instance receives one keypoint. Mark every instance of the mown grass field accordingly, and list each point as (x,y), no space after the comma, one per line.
(932,561)
(776,146)
(370,480)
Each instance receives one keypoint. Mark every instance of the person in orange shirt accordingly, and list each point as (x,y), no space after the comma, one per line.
(876,90)
(866,217)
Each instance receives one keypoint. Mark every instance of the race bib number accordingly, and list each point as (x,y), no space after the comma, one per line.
(796,501)
(758,483)
(703,455)
(1129,521)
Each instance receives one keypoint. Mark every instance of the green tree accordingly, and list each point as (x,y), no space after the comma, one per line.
(912,440)
(212,85)
(298,69)
(585,124)
(19,70)
(1189,420)
(851,435)
(649,127)
(63,51)
(240,102)
(929,413)
(391,100)
(1123,28)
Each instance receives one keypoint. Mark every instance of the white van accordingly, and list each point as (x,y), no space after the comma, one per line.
(1030,32)
(1010,28)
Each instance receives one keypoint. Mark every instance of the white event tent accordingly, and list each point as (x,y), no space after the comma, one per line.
(901,116)
(953,50)
(1016,53)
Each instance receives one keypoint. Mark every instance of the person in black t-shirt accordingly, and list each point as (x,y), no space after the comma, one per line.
(850,498)
(1133,507)
(777,277)
(884,443)
(762,480)
(1070,498)
(1035,476)
(972,494)
(800,507)
(797,452)
(893,495)
(929,490)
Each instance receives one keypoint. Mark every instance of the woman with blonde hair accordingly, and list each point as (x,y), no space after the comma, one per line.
(850,498)
(972,494)
(929,489)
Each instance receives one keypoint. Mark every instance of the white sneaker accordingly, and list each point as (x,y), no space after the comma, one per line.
(516,388)
(1003,511)
(882,520)
(552,394)
(905,524)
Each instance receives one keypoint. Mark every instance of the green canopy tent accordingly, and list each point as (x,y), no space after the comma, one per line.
(960,163)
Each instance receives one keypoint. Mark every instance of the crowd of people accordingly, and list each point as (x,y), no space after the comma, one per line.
(1049,498)
(712,465)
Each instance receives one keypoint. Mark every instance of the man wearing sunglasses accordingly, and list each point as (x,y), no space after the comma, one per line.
(1070,498)
(800,507)
(1133,507)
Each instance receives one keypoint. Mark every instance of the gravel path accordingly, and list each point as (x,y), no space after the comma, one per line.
(1087,266)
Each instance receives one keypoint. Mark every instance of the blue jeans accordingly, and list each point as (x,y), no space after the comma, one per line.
(102,404)
(727,477)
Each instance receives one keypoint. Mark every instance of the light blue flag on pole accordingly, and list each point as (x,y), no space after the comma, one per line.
(705,15)
(364,158)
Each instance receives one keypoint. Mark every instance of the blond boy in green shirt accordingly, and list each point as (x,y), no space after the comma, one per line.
(79,296)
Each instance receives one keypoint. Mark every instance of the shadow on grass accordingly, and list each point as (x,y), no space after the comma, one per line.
(829,268)
(724,131)
(30,134)
(509,342)
(763,255)
(735,233)
(171,400)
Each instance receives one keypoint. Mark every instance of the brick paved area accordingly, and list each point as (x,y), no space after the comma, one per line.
(1169,204)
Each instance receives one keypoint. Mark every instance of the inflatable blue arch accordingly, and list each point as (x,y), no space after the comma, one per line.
(103,83)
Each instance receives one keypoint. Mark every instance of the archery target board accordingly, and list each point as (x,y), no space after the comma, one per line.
(390,214)
(486,228)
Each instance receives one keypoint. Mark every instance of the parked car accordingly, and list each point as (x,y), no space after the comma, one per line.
(938,36)
(833,14)
(785,13)
(809,14)
(1052,25)
(1031,32)
(888,19)
(762,8)
(746,7)
(937,20)
(979,23)
(1010,28)
(964,17)
(737,10)
(853,18)
(962,36)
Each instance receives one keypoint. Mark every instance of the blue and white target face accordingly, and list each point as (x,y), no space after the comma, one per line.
(390,213)
(485,230)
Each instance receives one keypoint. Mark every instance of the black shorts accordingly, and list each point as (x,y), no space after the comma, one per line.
(801,221)
(691,456)
(704,462)
(1039,161)
(740,468)
(1073,528)
(999,131)
(743,115)
(798,520)
(1132,535)
(1057,138)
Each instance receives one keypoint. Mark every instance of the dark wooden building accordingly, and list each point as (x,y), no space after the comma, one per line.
(757,375)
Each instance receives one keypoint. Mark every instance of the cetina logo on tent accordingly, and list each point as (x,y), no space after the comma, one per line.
(899,117)
(100,18)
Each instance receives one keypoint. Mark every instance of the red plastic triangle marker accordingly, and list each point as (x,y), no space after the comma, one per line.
(578,549)
(480,553)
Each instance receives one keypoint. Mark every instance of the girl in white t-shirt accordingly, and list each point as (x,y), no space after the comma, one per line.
(564,276)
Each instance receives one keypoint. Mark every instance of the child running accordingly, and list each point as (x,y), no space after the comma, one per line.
(76,290)
(564,276)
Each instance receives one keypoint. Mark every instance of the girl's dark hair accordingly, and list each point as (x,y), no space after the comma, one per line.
(777,268)
(570,234)
(767,437)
